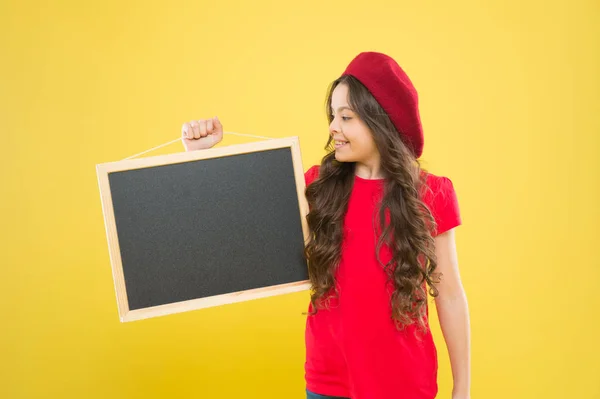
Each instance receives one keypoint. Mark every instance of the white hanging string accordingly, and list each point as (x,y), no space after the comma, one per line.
(180,138)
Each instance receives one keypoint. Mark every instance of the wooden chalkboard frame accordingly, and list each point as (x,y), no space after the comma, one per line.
(103,170)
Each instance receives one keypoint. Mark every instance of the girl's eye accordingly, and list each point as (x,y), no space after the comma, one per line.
(344,118)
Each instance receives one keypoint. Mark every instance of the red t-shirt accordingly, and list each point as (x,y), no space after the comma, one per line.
(353,348)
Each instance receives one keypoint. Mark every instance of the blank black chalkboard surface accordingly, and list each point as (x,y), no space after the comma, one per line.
(205,228)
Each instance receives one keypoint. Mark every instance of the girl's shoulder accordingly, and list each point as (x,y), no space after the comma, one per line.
(311,174)
(435,184)
(440,197)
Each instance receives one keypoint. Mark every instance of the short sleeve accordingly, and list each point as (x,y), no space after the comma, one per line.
(311,174)
(442,201)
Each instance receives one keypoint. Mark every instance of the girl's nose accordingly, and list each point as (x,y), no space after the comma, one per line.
(333,128)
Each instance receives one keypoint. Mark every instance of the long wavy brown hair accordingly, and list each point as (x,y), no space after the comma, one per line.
(408,235)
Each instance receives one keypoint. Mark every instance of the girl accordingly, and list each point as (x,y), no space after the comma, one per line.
(381,239)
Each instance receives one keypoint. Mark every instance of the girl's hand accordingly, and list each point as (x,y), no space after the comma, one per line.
(461,396)
(201,134)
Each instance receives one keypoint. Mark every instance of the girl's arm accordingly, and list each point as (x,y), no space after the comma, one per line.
(453,314)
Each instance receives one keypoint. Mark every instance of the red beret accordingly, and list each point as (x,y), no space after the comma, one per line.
(394,91)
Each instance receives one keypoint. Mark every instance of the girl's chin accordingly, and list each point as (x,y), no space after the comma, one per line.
(341,157)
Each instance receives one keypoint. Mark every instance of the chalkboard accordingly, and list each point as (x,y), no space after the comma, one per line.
(205,228)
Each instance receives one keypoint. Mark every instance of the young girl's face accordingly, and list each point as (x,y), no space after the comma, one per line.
(353,140)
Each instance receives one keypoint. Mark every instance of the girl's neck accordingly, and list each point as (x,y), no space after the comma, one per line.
(369,172)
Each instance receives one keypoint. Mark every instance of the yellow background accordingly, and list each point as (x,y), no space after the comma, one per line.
(510,105)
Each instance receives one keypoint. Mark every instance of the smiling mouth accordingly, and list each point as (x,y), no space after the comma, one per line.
(340,144)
